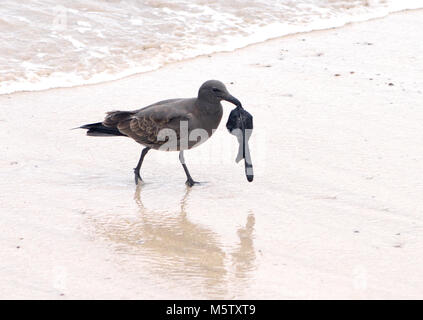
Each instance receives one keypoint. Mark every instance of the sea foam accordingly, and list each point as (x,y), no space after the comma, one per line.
(48,44)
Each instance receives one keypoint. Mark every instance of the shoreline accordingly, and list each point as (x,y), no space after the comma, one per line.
(334,212)
(217,52)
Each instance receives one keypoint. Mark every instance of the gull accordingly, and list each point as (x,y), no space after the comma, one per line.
(169,125)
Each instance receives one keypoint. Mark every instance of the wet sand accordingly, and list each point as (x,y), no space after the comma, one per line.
(335,210)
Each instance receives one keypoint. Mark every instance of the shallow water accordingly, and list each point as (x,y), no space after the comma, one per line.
(45,43)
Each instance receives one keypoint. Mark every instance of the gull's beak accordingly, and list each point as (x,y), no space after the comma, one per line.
(233,100)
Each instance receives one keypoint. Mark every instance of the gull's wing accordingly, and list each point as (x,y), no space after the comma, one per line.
(145,124)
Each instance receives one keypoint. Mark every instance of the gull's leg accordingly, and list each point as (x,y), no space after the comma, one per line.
(138,167)
(190,182)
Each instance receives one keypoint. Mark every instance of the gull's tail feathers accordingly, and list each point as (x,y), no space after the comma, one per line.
(99,130)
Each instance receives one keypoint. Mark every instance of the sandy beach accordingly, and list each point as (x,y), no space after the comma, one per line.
(335,210)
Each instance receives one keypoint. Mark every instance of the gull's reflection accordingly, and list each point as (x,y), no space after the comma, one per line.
(181,246)
(173,247)
(243,257)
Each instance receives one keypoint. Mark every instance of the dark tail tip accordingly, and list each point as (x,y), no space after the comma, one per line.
(98,129)
(249,173)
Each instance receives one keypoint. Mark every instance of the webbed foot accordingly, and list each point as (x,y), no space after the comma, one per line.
(191,182)
(137,176)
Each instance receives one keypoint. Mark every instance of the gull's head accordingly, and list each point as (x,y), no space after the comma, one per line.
(215,91)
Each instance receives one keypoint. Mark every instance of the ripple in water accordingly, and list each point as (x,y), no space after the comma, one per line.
(46,43)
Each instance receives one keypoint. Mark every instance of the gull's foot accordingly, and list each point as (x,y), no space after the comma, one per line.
(191,182)
(137,176)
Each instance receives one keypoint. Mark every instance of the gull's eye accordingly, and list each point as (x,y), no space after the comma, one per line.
(216,90)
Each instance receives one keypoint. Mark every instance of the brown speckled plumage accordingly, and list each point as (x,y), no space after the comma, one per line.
(144,125)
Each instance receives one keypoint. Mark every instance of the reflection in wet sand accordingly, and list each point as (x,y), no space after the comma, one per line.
(176,248)
(243,257)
